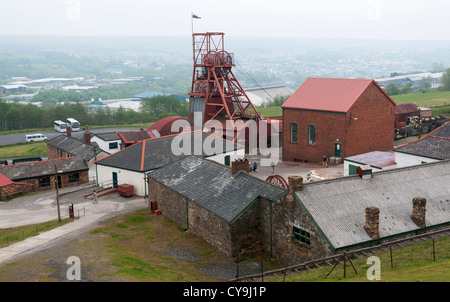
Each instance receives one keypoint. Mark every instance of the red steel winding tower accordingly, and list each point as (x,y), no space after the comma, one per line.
(215,91)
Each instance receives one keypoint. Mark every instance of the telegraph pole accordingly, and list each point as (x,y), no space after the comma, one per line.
(57,193)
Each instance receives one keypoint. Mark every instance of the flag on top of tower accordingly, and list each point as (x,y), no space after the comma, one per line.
(195,16)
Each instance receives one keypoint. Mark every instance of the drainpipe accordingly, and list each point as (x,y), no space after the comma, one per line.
(270,219)
(187,214)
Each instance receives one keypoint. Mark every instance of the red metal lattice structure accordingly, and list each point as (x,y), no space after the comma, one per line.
(215,91)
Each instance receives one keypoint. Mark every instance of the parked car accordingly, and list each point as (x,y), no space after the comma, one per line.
(37,137)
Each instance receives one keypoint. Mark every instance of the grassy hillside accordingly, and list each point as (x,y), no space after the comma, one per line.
(430,99)
(410,264)
(439,101)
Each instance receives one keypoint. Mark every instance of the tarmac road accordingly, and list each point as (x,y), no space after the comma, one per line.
(11,139)
(34,209)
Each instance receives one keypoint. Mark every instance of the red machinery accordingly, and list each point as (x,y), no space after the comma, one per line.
(215,91)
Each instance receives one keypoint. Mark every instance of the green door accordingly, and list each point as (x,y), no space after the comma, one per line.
(337,150)
(352,169)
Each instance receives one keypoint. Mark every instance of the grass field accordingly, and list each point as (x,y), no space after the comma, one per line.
(24,150)
(410,264)
(429,99)
(141,246)
(439,101)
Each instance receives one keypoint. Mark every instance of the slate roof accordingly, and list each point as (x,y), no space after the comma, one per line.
(435,144)
(213,187)
(44,168)
(157,152)
(73,146)
(338,206)
(108,136)
(329,94)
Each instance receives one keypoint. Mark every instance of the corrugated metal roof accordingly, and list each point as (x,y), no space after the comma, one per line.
(406,108)
(212,186)
(328,94)
(338,206)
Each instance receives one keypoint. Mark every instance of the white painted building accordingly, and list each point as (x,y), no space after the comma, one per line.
(109,142)
(377,160)
(130,165)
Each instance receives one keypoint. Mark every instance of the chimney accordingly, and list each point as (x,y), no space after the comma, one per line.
(87,137)
(238,165)
(364,171)
(68,131)
(418,211)
(372,222)
(295,183)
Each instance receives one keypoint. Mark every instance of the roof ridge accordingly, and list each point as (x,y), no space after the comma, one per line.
(382,172)
(46,160)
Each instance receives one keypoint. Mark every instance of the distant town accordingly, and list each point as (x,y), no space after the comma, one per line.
(308,156)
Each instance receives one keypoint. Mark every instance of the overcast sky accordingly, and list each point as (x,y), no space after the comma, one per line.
(374,19)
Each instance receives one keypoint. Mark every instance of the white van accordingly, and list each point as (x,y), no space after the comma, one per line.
(37,137)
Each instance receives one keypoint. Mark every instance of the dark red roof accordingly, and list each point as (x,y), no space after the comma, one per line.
(329,94)
(406,108)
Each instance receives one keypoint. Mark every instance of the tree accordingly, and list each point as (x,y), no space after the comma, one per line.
(392,89)
(446,80)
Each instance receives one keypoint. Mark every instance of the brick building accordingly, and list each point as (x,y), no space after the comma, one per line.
(337,118)
(238,213)
(40,175)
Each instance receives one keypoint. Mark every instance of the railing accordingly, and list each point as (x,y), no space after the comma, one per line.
(35,228)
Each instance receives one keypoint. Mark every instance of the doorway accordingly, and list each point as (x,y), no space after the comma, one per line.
(337,149)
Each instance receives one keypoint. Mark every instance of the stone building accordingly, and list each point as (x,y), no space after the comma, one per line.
(238,213)
(40,175)
(63,146)
(337,118)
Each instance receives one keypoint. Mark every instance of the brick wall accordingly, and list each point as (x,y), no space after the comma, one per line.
(329,127)
(83,178)
(372,130)
(13,190)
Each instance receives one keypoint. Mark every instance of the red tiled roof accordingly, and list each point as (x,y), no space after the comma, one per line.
(4,181)
(329,94)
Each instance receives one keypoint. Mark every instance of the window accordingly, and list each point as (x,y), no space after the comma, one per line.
(113,145)
(311,134)
(293,132)
(302,236)
(74,177)
(44,182)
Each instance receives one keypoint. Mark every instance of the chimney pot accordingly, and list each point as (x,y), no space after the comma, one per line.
(418,211)
(372,222)
(238,165)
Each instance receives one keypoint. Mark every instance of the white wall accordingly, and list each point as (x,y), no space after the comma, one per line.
(136,179)
(406,160)
(104,145)
(220,158)
(104,173)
